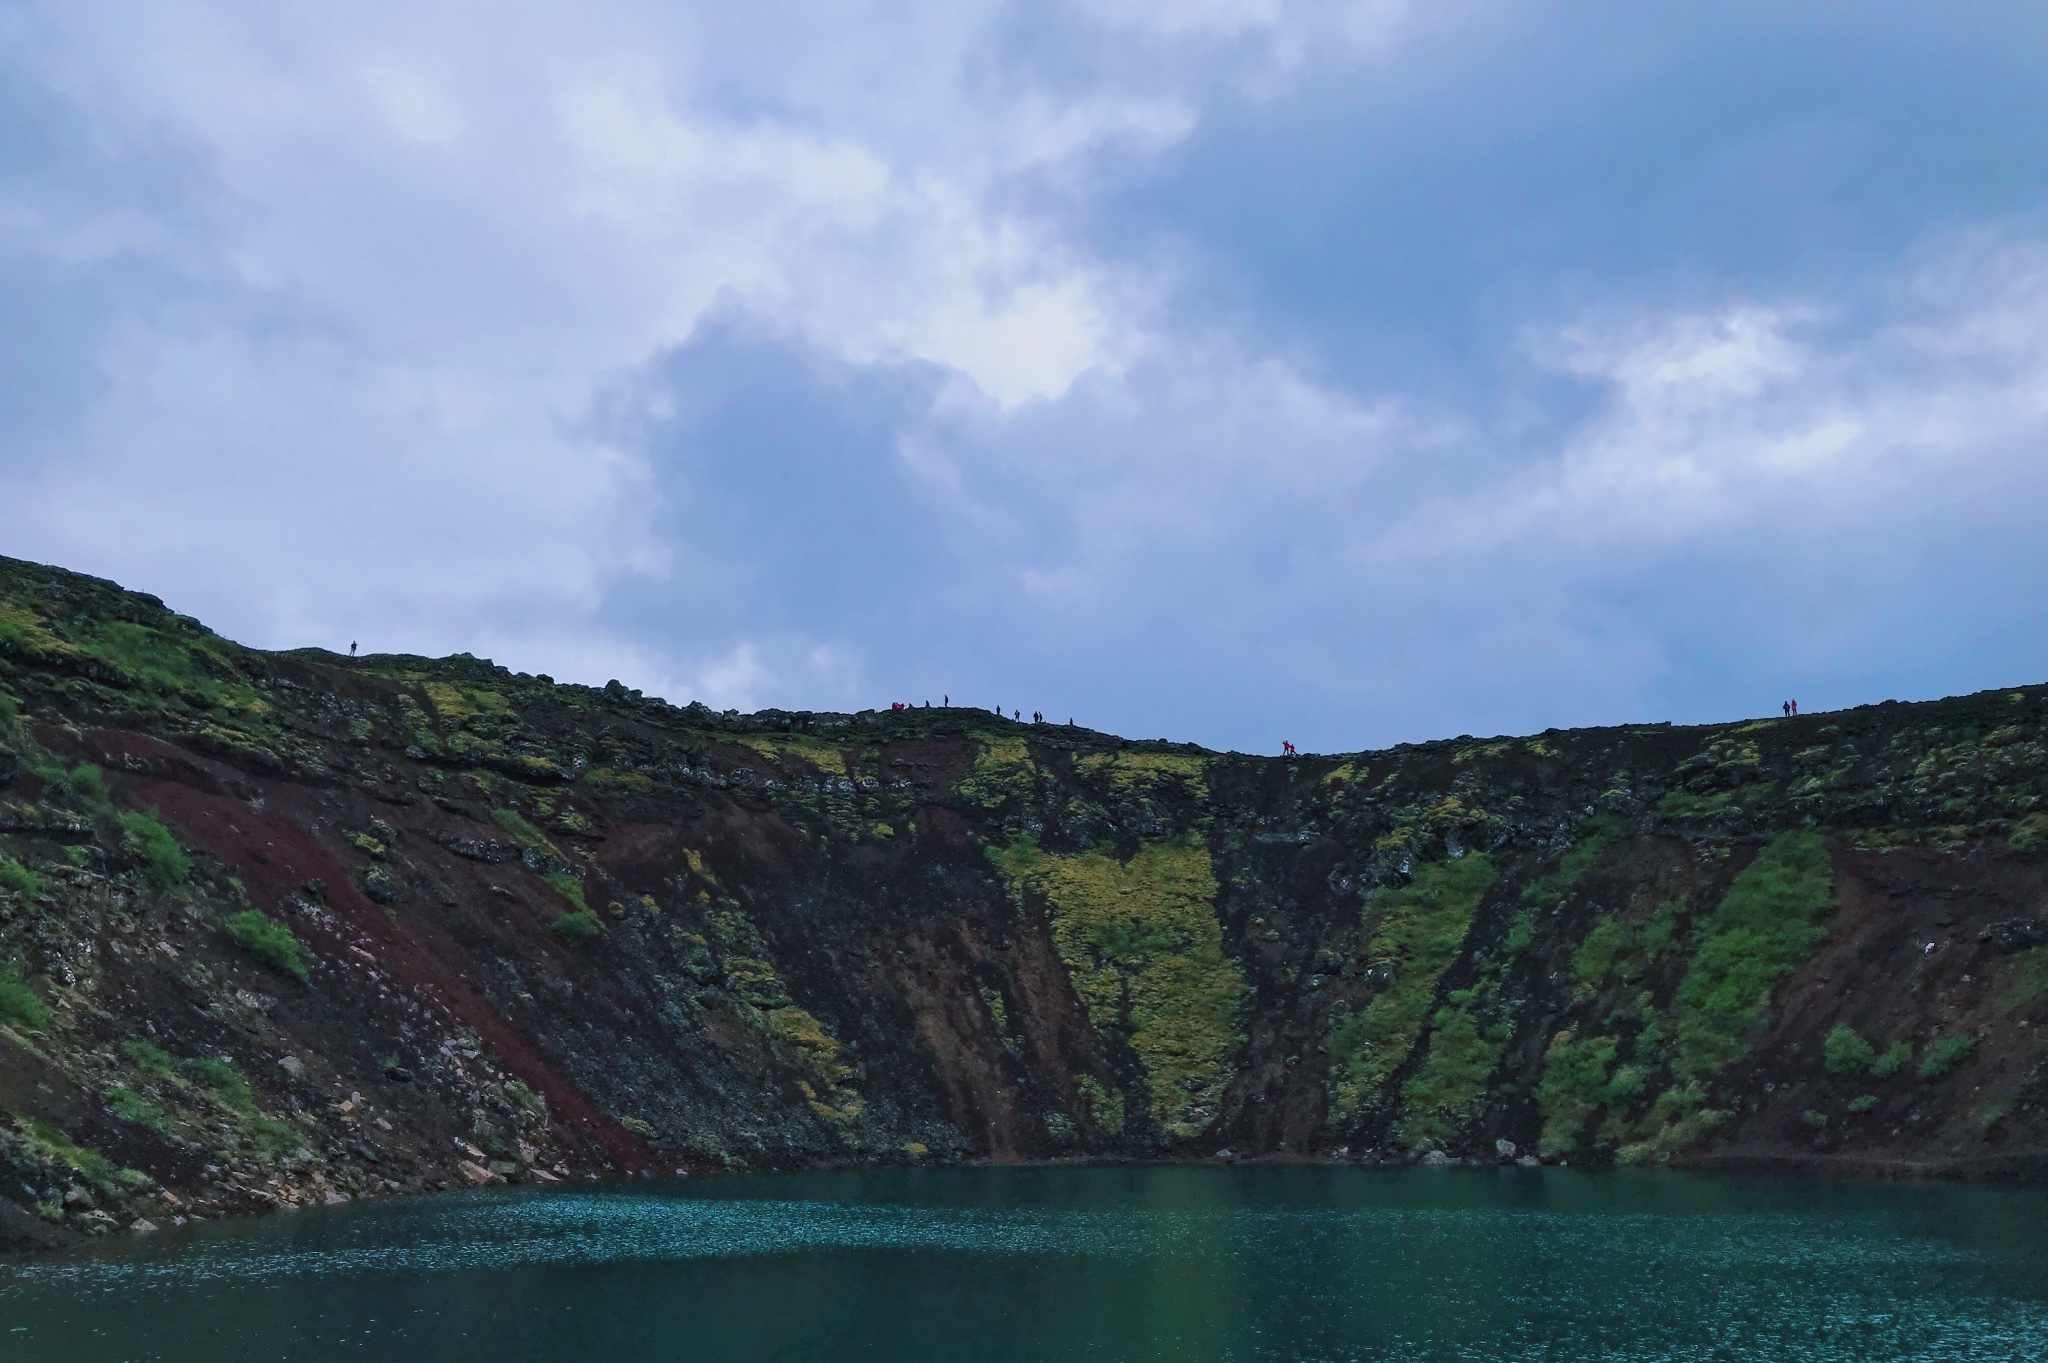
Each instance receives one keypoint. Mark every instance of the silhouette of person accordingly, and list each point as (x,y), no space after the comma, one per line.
(1786,709)
(1016,714)
(351,648)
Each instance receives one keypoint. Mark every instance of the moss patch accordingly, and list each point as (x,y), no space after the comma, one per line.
(1448,1091)
(1773,916)
(164,863)
(1145,954)
(1421,929)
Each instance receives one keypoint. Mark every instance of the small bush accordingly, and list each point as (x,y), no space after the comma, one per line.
(274,1138)
(163,861)
(20,1007)
(1846,1052)
(1863,1103)
(18,878)
(270,942)
(578,927)
(1948,1055)
(1892,1061)
(85,778)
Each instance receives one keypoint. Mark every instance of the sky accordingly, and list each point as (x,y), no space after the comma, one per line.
(1226,370)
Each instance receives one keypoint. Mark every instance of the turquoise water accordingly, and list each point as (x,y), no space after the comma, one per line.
(1149,1263)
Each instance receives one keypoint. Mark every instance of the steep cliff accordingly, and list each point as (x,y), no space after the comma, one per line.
(291,927)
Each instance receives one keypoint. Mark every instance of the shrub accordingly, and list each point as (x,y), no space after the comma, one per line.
(1863,1103)
(163,861)
(578,926)
(1846,1052)
(513,822)
(1948,1055)
(1892,1061)
(18,878)
(20,1007)
(270,942)
(85,778)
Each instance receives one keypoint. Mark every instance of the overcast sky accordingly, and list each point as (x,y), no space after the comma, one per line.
(1227,370)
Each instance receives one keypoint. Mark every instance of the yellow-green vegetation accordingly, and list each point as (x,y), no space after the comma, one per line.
(20,1006)
(1448,1090)
(1773,916)
(18,878)
(270,942)
(826,757)
(1621,948)
(1445,816)
(1104,1105)
(1680,1117)
(459,704)
(1577,1086)
(1144,772)
(48,1146)
(1145,953)
(578,926)
(833,1098)
(635,781)
(1947,1055)
(1596,837)
(1002,769)
(200,670)
(1420,929)
(163,862)
(2030,832)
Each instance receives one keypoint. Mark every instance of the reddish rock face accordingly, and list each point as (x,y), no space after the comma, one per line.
(291,928)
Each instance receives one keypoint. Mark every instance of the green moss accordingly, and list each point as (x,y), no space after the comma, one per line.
(1145,954)
(1142,773)
(163,862)
(1597,836)
(1847,1053)
(639,782)
(1681,804)
(270,942)
(1420,929)
(2030,832)
(1863,1103)
(18,878)
(1771,919)
(513,822)
(131,1106)
(88,781)
(1448,1090)
(1104,1105)
(569,888)
(20,1006)
(1003,770)
(1947,1055)
(150,1059)
(271,1137)
(1621,949)
(223,1081)
(50,1146)
(1574,1088)
(577,926)
(1679,1118)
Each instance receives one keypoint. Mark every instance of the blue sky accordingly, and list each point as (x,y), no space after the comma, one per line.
(1232,370)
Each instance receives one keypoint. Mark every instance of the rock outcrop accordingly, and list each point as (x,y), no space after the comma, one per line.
(280,928)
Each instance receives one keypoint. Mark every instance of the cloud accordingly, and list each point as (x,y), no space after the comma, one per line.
(1198,368)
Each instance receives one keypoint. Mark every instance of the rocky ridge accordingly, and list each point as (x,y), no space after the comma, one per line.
(292,928)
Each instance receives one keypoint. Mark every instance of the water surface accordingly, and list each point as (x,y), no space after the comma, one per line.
(1152,1263)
